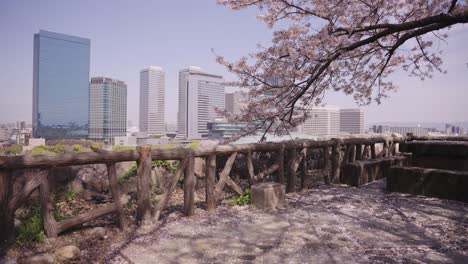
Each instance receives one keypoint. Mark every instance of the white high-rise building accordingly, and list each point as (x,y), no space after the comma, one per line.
(199,94)
(232,102)
(107,109)
(152,91)
(322,121)
(352,121)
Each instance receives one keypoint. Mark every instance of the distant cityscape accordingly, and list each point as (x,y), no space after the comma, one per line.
(69,104)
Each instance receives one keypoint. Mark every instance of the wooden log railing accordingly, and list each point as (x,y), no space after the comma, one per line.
(288,159)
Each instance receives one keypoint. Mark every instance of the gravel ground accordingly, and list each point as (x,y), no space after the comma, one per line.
(328,224)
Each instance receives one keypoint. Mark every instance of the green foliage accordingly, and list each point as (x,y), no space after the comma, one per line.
(243,199)
(118,148)
(171,166)
(194,144)
(30,228)
(97,145)
(131,172)
(49,149)
(69,195)
(57,214)
(77,148)
(13,149)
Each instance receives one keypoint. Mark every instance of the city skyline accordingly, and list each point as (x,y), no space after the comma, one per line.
(441,99)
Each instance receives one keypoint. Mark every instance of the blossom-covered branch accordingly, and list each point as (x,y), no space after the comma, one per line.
(341,45)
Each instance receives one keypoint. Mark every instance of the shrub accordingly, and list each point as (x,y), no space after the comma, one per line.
(118,148)
(41,150)
(194,144)
(13,149)
(243,199)
(30,228)
(171,166)
(76,148)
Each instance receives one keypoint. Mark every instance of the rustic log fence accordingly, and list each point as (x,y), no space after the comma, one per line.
(289,158)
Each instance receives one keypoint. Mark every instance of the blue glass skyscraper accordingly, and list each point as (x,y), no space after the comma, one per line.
(60,86)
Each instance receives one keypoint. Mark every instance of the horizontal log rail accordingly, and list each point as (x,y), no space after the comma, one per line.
(290,163)
(106,157)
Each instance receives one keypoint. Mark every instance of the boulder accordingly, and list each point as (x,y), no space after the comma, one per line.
(67,253)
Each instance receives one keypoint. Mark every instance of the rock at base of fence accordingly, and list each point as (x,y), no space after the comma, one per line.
(268,195)
(359,173)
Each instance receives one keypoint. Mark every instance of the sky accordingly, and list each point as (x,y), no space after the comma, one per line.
(127,36)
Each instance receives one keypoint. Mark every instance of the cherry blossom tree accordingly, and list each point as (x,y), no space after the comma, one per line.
(351,46)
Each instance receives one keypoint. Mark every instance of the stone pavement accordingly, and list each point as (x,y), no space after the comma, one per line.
(329,224)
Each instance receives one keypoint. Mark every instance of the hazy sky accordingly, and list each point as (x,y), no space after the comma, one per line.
(127,36)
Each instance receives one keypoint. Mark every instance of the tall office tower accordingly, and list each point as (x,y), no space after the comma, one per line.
(199,94)
(152,90)
(60,85)
(232,102)
(322,121)
(352,121)
(107,109)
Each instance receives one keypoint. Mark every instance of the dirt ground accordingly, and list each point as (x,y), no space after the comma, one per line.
(328,224)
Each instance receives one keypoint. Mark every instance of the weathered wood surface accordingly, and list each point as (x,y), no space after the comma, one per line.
(250,168)
(85,217)
(144,185)
(211,201)
(115,191)
(225,174)
(47,209)
(373,153)
(266,172)
(294,161)
(358,152)
(305,176)
(172,184)
(336,163)
(326,165)
(33,179)
(189,187)
(7,220)
(280,161)
(68,159)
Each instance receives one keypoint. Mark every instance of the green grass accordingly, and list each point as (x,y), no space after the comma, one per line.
(243,199)
(30,227)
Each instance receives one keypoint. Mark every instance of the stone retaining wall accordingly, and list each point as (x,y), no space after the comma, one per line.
(439,183)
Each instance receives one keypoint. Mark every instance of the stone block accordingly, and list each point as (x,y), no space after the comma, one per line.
(445,155)
(269,195)
(445,184)
(359,173)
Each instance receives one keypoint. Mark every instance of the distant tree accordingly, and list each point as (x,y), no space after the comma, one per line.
(342,45)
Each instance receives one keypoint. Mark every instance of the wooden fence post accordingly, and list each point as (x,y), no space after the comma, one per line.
(336,161)
(189,186)
(326,165)
(250,168)
(306,177)
(144,185)
(373,154)
(280,161)
(352,153)
(7,220)
(47,209)
(210,183)
(358,152)
(114,186)
(291,186)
